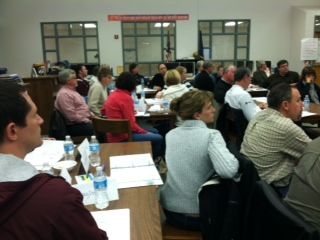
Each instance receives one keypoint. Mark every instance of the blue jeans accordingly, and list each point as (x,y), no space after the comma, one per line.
(182,221)
(155,139)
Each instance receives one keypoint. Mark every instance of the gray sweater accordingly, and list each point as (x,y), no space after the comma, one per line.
(193,153)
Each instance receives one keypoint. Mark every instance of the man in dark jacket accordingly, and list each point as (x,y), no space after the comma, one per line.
(33,205)
(283,75)
(204,80)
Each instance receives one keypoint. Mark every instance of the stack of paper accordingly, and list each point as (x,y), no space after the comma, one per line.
(50,151)
(116,223)
(134,170)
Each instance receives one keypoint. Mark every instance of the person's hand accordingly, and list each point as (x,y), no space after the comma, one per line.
(263,105)
(159,95)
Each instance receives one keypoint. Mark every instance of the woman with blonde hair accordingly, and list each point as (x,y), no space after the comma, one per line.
(193,153)
(175,88)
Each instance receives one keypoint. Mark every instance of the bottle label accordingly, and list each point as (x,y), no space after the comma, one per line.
(94,148)
(68,148)
(100,184)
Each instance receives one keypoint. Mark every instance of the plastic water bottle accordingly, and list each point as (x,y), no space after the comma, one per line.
(100,188)
(46,168)
(68,149)
(135,101)
(143,94)
(306,103)
(94,148)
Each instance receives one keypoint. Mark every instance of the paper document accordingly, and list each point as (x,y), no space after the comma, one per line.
(260,99)
(153,101)
(85,152)
(134,170)
(50,151)
(306,114)
(115,222)
(87,191)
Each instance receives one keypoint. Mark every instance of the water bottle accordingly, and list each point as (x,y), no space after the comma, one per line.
(143,94)
(94,148)
(135,101)
(100,189)
(46,168)
(306,103)
(68,149)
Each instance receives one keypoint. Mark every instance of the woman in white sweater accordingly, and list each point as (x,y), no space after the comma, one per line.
(174,87)
(193,153)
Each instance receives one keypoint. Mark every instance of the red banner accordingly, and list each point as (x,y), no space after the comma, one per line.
(148,18)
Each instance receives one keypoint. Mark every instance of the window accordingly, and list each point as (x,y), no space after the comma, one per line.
(226,41)
(146,43)
(76,42)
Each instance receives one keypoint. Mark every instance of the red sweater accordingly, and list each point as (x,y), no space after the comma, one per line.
(45,207)
(119,105)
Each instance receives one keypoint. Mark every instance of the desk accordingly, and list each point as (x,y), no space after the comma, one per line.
(257,92)
(313,119)
(145,221)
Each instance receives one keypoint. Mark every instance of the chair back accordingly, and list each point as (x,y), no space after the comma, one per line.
(114,126)
(271,218)
(232,124)
(57,127)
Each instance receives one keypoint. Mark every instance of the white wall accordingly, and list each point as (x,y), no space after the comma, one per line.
(271,26)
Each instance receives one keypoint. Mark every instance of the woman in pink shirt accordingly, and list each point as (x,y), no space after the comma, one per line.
(120,106)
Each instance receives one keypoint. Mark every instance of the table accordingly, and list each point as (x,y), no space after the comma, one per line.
(145,221)
(313,119)
(257,92)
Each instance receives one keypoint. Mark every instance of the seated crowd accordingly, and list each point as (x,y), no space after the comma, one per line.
(281,152)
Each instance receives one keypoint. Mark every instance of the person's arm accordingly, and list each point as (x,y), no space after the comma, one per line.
(93,100)
(224,163)
(74,221)
(67,105)
(127,110)
(248,106)
(296,141)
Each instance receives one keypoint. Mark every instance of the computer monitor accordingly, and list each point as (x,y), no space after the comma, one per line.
(190,66)
(172,65)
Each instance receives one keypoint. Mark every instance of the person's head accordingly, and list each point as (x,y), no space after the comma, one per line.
(68,77)
(208,67)
(183,72)
(199,65)
(126,81)
(194,105)
(308,75)
(228,73)
(172,77)
(220,70)
(20,130)
(82,71)
(105,76)
(134,68)
(261,65)
(283,67)
(162,69)
(242,77)
(287,100)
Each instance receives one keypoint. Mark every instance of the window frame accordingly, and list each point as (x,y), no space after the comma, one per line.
(152,65)
(57,37)
(236,33)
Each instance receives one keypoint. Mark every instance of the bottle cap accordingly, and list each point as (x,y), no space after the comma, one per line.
(93,137)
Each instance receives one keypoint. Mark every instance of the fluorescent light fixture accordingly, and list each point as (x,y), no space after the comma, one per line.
(230,24)
(317,24)
(165,24)
(88,25)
